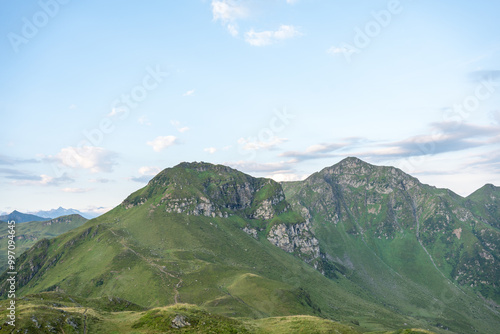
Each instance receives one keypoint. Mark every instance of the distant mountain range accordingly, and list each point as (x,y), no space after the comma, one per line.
(20,217)
(54,213)
(369,247)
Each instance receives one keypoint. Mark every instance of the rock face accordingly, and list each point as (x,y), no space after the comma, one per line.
(295,238)
(180,321)
(250,231)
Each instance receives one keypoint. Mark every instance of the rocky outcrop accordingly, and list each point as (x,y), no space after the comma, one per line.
(250,231)
(295,238)
(180,321)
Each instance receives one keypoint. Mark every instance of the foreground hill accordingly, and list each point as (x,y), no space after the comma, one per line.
(58,313)
(27,234)
(352,243)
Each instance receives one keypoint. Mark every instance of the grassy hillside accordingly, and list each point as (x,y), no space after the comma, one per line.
(52,312)
(28,233)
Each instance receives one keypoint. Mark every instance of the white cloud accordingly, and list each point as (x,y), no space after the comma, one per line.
(42,180)
(252,145)
(188,93)
(228,10)
(146,170)
(72,107)
(161,142)
(334,50)
(96,159)
(210,150)
(283,177)
(267,167)
(233,29)
(268,37)
(97,210)
(291,2)
(178,126)
(76,190)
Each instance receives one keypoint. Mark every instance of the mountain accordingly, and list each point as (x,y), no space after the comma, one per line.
(27,234)
(54,213)
(20,217)
(367,246)
(418,248)
(486,202)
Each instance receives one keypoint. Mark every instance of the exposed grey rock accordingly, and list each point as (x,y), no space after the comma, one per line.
(180,321)
(250,231)
(296,237)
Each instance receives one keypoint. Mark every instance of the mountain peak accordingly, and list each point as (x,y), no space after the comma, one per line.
(201,188)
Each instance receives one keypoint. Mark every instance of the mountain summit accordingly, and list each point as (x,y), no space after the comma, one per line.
(201,188)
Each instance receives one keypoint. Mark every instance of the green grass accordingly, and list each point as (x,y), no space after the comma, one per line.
(51,312)
(27,234)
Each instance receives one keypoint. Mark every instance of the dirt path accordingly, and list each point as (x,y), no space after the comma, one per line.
(152,264)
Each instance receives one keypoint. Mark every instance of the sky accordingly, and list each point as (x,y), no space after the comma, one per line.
(96,97)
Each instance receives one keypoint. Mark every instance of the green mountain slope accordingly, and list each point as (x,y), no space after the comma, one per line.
(354,243)
(417,248)
(28,233)
(204,235)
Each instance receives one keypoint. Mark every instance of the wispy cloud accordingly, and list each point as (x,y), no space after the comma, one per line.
(162,142)
(210,150)
(228,12)
(143,120)
(318,151)
(188,93)
(179,127)
(101,180)
(76,190)
(6,160)
(146,174)
(269,167)
(269,37)
(442,137)
(250,144)
(334,50)
(23,178)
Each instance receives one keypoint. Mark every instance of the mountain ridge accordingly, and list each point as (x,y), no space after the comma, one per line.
(350,239)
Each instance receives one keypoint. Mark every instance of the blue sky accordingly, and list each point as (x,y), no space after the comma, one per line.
(98,96)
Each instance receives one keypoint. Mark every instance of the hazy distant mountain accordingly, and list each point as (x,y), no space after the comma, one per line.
(54,213)
(20,217)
